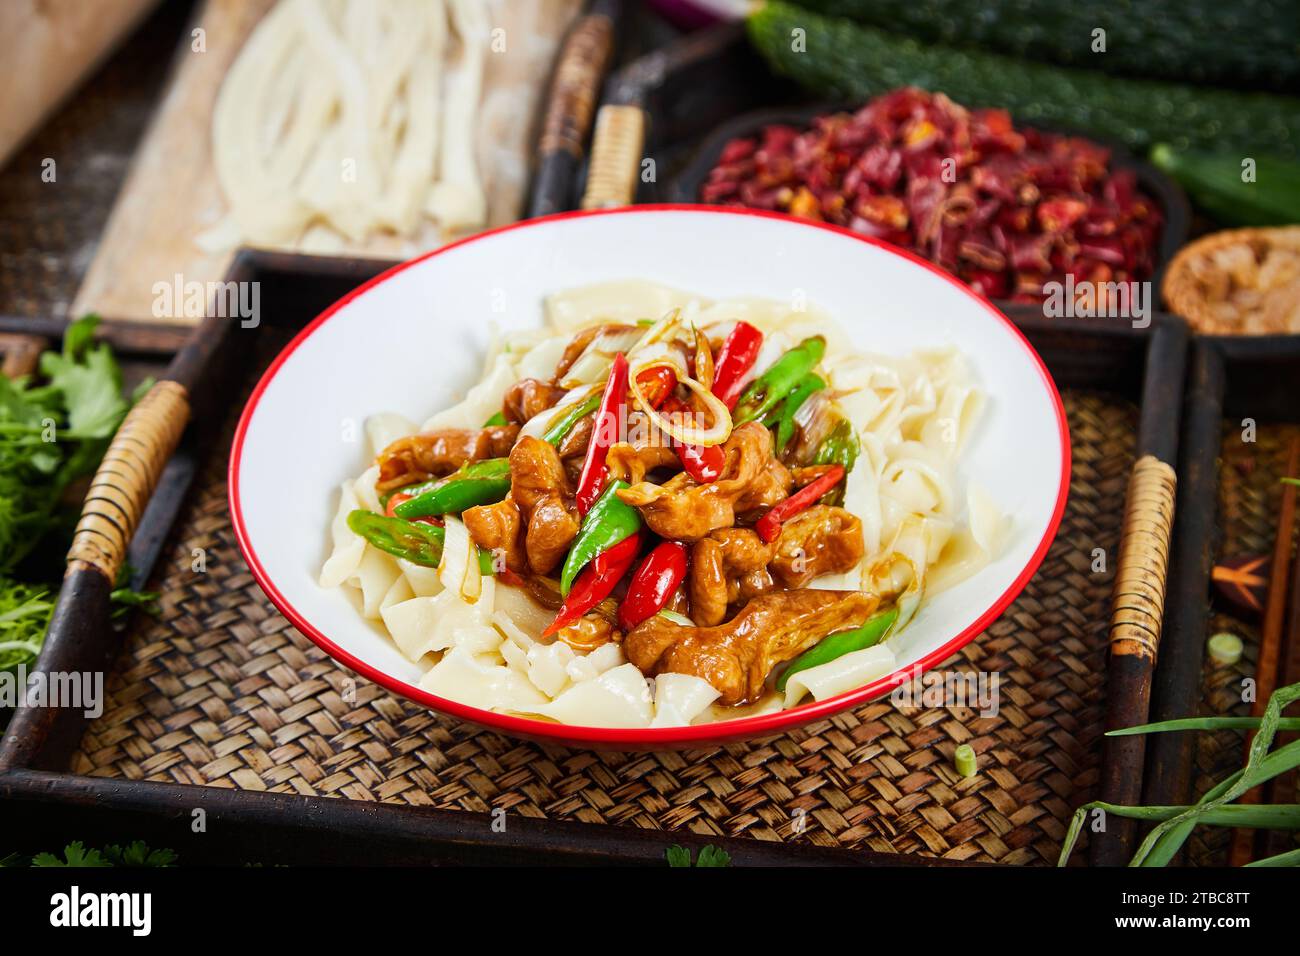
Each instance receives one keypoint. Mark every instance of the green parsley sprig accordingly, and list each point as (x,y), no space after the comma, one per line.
(53,433)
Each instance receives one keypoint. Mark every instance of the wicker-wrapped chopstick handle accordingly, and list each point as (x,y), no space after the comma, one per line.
(615,157)
(126,478)
(577,84)
(1139,601)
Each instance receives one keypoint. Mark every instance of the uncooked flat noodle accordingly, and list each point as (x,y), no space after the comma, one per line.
(346,118)
(480,638)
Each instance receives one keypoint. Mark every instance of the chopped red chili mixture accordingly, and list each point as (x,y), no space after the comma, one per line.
(1005,209)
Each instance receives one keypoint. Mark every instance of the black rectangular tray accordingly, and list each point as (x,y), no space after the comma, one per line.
(47,802)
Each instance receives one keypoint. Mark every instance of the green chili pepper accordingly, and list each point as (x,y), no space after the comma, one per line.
(844,642)
(840,447)
(497,419)
(778,381)
(486,468)
(486,563)
(475,483)
(609,521)
(555,434)
(790,406)
(418,543)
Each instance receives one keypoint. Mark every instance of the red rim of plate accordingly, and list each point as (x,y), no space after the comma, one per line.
(641,737)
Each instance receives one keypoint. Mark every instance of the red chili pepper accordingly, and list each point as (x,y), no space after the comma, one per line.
(769,526)
(609,418)
(735,358)
(657,383)
(704,463)
(653,584)
(596,581)
(506,576)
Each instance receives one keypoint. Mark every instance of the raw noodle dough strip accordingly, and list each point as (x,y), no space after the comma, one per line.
(413,166)
(347,209)
(457,201)
(265,214)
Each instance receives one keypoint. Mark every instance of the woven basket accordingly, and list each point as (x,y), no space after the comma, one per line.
(1185,292)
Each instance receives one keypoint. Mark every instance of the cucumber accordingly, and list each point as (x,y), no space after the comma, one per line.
(1214,182)
(1249,43)
(839,58)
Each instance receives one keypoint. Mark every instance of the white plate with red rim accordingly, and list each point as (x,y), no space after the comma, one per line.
(413,340)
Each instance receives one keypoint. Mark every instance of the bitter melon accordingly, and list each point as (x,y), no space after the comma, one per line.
(1248,43)
(841,58)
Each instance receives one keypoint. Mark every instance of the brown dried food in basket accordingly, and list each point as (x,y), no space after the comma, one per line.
(1239,282)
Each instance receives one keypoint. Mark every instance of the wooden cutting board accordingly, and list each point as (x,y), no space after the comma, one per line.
(171,194)
(48,47)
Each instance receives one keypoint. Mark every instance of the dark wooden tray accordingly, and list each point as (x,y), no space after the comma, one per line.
(219,678)
(1227,505)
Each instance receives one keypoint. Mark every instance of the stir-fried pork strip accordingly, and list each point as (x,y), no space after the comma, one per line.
(685,511)
(540,487)
(807,474)
(631,464)
(588,633)
(821,540)
(751,584)
(551,530)
(769,486)
(574,444)
(719,565)
(528,398)
(434,454)
(499,528)
(737,657)
(578,344)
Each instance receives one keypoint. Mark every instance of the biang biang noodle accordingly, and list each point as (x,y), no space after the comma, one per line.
(658,510)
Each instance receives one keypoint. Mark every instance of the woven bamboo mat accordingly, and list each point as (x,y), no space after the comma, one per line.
(220,690)
(1249,497)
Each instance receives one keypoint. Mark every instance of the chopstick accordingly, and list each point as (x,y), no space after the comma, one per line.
(580,70)
(1270,648)
(1138,598)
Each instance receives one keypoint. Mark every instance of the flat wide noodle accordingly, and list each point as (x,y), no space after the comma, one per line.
(923,527)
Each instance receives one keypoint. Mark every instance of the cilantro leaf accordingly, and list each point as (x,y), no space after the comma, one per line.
(24,617)
(678,856)
(138,854)
(53,434)
(78,336)
(91,386)
(74,855)
(713,856)
(709,855)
